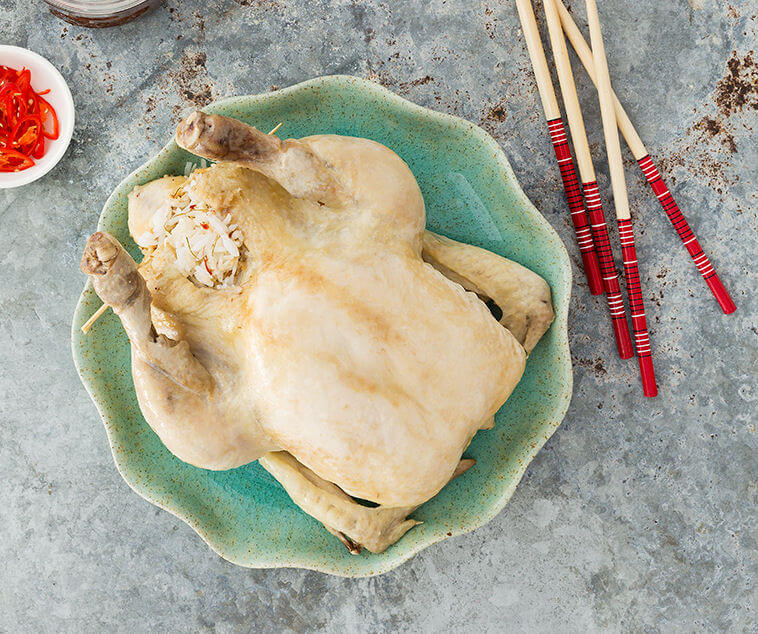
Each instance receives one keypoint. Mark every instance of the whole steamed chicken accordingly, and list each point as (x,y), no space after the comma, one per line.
(290,308)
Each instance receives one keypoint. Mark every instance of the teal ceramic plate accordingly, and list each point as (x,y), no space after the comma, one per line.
(471,195)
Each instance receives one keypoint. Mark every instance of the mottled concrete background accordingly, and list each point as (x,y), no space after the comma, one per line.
(636,516)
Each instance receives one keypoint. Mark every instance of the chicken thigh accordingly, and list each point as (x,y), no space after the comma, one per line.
(352,352)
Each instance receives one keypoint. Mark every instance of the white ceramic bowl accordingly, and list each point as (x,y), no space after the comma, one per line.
(44,75)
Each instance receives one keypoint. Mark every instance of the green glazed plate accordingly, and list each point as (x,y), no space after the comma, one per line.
(471,195)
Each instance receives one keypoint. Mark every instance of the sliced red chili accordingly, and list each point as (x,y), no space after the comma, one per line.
(45,110)
(26,120)
(24,80)
(13,161)
(39,150)
(26,133)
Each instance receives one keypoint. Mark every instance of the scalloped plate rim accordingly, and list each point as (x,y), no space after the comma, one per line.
(561,324)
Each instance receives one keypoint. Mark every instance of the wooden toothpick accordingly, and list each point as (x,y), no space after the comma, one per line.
(99,313)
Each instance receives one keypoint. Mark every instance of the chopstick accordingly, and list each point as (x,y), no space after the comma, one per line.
(621,202)
(589,183)
(560,144)
(653,176)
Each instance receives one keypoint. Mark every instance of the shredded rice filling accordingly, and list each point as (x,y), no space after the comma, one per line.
(208,245)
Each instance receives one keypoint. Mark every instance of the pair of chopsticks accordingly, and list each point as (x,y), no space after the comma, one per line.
(561,146)
(601,243)
(613,115)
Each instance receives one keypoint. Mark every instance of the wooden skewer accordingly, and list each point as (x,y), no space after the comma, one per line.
(560,144)
(589,183)
(98,313)
(621,202)
(649,169)
(278,125)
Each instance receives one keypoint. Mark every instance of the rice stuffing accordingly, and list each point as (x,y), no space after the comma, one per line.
(208,246)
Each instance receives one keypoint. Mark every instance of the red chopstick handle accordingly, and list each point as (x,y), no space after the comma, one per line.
(637,307)
(649,388)
(576,206)
(608,269)
(685,232)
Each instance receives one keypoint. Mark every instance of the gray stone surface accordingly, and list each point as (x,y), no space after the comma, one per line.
(638,515)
